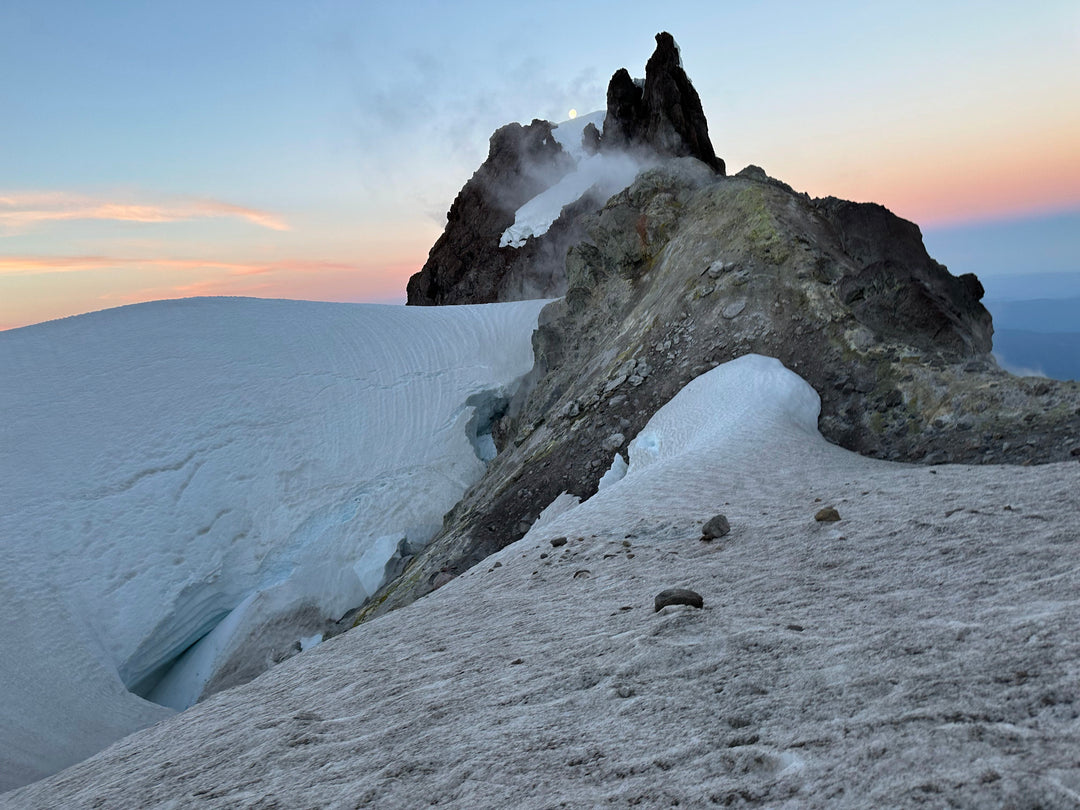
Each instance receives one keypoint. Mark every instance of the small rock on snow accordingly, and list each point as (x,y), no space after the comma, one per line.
(441,579)
(678,596)
(717,526)
(827,515)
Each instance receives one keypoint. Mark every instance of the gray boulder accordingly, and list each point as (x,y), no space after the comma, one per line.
(677,596)
(716,526)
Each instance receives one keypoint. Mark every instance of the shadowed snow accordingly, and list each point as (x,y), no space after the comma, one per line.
(920,651)
(220,466)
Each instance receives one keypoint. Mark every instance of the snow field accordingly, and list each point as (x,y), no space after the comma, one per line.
(231,470)
(921,651)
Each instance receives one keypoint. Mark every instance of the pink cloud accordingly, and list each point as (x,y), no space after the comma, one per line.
(36,265)
(19,211)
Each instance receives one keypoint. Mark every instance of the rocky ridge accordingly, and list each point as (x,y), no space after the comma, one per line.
(661,117)
(687,269)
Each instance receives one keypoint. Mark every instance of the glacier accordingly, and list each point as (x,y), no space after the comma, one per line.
(190,490)
(925,645)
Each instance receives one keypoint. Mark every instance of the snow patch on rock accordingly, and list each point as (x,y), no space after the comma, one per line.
(569,133)
(751,396)
(609,172)
(615,473)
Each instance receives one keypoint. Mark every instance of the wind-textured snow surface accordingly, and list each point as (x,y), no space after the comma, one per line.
(608,172)
(924,651)
(236,467)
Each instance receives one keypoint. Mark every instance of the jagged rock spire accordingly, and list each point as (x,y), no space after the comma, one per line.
(661,116)
(665,115)
(624,123)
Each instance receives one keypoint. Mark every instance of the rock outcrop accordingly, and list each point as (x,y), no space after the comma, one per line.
(663,115)
(900,291)
(625,119)
(466,265)
(685,270)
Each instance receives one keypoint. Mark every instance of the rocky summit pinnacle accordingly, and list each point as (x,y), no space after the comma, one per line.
(664,114)
(658,118)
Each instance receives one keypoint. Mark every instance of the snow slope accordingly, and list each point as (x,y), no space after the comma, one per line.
(609,172)
(243,466)
(569,133)
(920,652)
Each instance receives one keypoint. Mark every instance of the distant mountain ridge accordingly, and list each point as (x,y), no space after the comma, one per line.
(1049,354)
(1040,336)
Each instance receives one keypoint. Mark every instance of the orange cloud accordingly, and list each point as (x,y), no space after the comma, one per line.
(36,265)
(22,210)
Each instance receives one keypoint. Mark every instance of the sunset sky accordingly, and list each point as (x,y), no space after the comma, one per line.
(310,150)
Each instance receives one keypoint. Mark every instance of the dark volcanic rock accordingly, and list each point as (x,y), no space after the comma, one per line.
(466,264)
(899,290)
(664,116)
(676,123)
(626,116)
(716,526)
(677,596)
(827,515)
(590,139)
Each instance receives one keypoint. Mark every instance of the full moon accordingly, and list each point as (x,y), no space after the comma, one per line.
(572,114)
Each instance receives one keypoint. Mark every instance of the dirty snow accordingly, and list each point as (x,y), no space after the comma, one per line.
(236,466)
(923,651)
